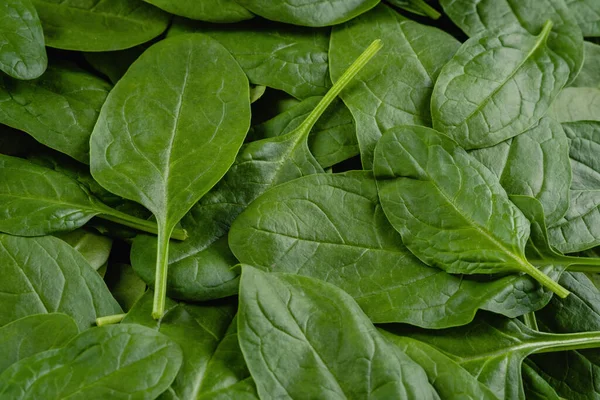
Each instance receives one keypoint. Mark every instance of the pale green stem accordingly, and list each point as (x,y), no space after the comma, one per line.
(139,224)
(110,319)
(530,321)
(572,341)
(162,269)
(428,10)
(544,279)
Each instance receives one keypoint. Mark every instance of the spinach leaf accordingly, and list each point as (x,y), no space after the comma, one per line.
(331,141)
(282,57)
(125,286)
(59,109)
(565,39)
(578,229)
(577,104)
(34,334)
(330,345)
(99,25)
(93,247)
(205,10)
(331,227)
(419,7)
(202,265)
(314,13)
(444,374)
(169,131)
(213,365)
(416,163)
(535,164)
(587,15)
(37,201)
(482,96)
(114,64)
(22,54)
(396,88)
(589,76)
(534,386)
(99,363)
(493,349)
(45,275)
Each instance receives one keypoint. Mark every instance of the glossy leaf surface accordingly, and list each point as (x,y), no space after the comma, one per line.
(205,10)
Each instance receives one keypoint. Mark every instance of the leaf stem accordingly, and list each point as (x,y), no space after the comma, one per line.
(545,280)
(139,224)
(110,319)
(339,85)
(428,10)
(530,321)
(162,269)
(571,341)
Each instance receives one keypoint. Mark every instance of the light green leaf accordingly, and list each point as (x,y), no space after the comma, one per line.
(396,88)
(589,76)
(577,104)
(587,15)
(46,275)
(22,51)
(419,7)
(93,247)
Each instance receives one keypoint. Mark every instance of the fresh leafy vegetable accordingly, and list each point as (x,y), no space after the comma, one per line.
(577,104)
(95,248)
(101,362)
(587,15)
(589,76)
(205,10)
(419,7)
(415,163)
(22,52)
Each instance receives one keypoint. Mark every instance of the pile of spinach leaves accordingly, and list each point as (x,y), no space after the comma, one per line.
(327,199)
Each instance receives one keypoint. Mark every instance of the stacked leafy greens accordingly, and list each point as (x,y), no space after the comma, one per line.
(244,199)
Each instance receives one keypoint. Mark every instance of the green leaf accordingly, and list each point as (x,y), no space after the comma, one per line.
(493,349)
(587,15)
(419,7)
(314,13)
(104,362)
(213,366)
(444,374)
(169,131)
(536,387)
(565,40)
(93,247)
(34,334)
(99,26)
(396,88)
(577,104)
(278,56)
(416,163)
(579,229)
(202,265)
(22,54)
(38,201)
(125,286)
(114,64)
(331,141)
(589,76)
(484,95)
(331,227)
(205,10)
(330,346)
(59,109)
(535,164)
(46,275)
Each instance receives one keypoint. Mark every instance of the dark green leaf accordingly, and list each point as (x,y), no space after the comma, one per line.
(484,95)
(536,387)
(465,204)
(46,275)
(309,13)
(213,366)
(396,88)
(282,57)
(22,52)
(114,64)
(93,247)
(302,338)
(100,363)
(205,10)
(99,25)
(125,286)
(34,334)
(419,7)
(59,109)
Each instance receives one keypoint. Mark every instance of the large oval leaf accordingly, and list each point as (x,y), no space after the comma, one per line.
(22,54)
(34,334)
(170,129)
(484,95)
(395,89)
(99,25)
(331,227)
(465,205)
(279,56)
(330,345)
(45,275)
(59,109)
(311,13)
(104,362)
(205,10)
(577,104)
(565,39)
